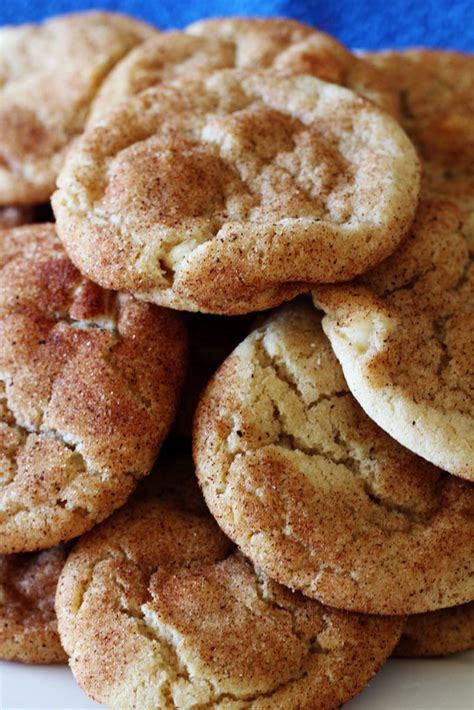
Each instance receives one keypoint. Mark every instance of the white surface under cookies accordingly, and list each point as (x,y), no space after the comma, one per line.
(402,684)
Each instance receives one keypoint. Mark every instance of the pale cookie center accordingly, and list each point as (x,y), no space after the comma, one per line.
(235,600)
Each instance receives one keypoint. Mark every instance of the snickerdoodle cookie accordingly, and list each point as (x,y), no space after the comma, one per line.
(28,626)
(438,633)
(293,46)
(235,43)
(315,493)
(436,92)
(89,382)
(404,335)
(404,332)
(49,74)
(224,193)
(435,89)
(157,609)
(166,56)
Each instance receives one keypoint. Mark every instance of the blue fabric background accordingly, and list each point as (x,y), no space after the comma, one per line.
(393,23)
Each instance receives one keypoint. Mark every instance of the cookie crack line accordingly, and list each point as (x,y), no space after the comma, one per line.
(439,335)
(146,628)
(284,375)
(289,441)
(313,644)
(108,356)
(40,430)
(82,464)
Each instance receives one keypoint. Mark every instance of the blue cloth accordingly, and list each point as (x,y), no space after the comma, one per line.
(365,23)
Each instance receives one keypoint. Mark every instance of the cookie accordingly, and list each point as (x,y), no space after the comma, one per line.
(88,388)
(404,337)
(156,609)
(435,89)
(293,46)
(438,633)
(314,493)
(223,194)
(210,45)
(403,332)
(166,56)
(28,625)
(49,74)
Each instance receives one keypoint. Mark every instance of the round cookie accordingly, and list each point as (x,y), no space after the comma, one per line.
(223,194)
(438,633)
(88,389)
(166,56)
(314,493)
(28,625)
(436,93)
(49,74)
(210,45)
(156,609)
(435,89)
(403,334)
(292,46)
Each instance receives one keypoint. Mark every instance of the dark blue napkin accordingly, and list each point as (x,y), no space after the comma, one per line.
(395,23)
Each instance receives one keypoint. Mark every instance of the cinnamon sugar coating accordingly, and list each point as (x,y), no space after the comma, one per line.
(89,384)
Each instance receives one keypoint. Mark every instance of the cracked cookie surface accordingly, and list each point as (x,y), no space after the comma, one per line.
(235,43)
(404,332)
(89,382)
(158,610)
(228,193)
(438,633)
(28,625)
(318,496)
(49,74)
(404,336)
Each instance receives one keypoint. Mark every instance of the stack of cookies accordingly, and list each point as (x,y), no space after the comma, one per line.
(205,176)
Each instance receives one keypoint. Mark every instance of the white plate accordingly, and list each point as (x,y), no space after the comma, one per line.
(435,684)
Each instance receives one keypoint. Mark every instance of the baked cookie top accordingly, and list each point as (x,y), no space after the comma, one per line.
(28,626)
(302,49)
(88,388)
(435,89)
(49,74)
(436,92)
(156,609)
(314,493)
(438,633)
(403,334)
(210,45)
(221,193)
(166,56)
